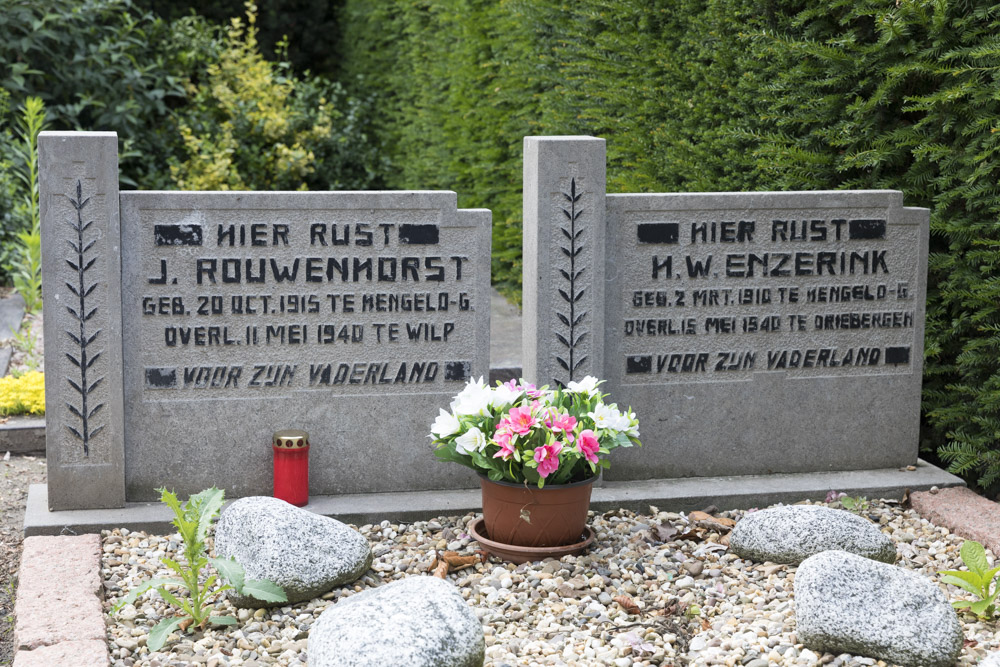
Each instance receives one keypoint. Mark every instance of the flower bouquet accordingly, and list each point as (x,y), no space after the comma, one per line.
(516,432)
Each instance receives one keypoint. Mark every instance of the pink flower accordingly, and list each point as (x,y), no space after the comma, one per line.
(520,420)
(561,423)
(547,457)
(503,438)
(588,445)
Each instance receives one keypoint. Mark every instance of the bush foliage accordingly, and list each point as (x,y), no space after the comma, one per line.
(708,95)
(253,125)
(22,395)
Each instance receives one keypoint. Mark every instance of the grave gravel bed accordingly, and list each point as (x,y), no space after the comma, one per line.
(694,602)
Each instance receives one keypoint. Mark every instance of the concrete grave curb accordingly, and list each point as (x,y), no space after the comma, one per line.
(23,435)
(683,494)
(58,609)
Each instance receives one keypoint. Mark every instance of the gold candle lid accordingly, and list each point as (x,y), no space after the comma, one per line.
(291,439)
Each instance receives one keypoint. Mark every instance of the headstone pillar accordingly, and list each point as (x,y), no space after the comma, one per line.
(563,250)
(81,268)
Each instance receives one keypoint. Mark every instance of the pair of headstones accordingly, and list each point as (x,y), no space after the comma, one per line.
(751,332)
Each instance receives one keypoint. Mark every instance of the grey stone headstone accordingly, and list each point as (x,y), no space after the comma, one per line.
(766,332)
(81,268)
(354,316)
(751,333)
(563,259)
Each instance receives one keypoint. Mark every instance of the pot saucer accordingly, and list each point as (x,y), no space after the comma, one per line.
(515,554)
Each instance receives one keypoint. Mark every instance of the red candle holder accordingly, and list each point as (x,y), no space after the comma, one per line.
(291,466)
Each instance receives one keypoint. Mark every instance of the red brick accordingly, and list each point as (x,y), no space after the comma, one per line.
(963,512)
(59,592)
(91,653)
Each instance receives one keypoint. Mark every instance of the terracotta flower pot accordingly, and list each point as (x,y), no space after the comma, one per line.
(524,515)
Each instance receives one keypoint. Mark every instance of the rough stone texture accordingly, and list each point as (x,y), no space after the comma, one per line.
(563,250)
(991,660)
(59,592)
(728,415)
(11,314)
(848,604)
(90,653)
(793,533)
(335,370)
(23,435)
(418,622)
(962,511)
(304,553)
(81,289)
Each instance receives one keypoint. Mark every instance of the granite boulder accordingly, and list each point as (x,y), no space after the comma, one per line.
(792,533)
(420,621)
(845,603)
(304,553)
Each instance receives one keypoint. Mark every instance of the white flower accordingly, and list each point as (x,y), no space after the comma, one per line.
(504,395)
(475,399)
(446,424)
(470,441)
(605,416)
(631,427)
(587,385)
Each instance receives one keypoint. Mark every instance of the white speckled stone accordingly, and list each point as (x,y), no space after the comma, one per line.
(421,621)
(304,553)
(848,604)
(793,533)
(991,660)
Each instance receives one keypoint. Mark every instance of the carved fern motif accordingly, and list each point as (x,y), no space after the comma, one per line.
(571,316)
(84,360)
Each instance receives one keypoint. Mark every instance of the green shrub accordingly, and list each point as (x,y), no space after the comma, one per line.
(98,65)
(11,222)
(463,82)
(26,263)
(254,125)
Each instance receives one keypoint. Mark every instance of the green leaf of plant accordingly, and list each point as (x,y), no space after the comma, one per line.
(968,581)
(158,635)
(207,504)
(173,565)
(230,570)
(961,604)
(263,590)
(979,607)
(974,556)
(222,620)
(169,597)
(136,592)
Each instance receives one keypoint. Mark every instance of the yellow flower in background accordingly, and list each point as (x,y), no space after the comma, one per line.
(23,395)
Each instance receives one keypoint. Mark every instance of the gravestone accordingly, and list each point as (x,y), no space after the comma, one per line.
(224,316)
(81,292)
(752,333)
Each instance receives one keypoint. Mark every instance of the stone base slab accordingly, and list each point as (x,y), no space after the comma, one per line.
(23,435)
(91,653)
(686,494)
(58,606)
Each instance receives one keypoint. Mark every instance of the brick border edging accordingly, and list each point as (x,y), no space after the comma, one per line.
(58,609)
